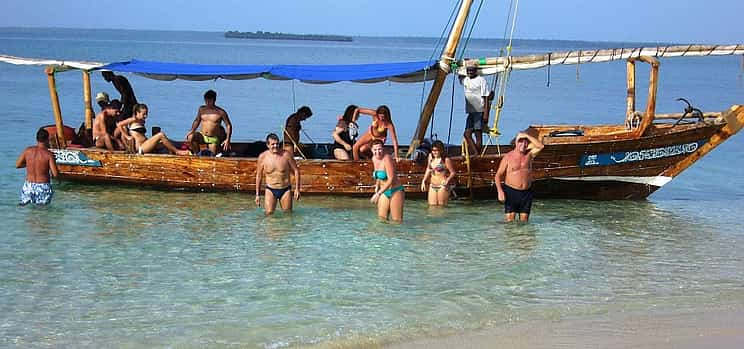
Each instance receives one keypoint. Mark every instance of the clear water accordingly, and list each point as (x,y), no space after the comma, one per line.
(108,266)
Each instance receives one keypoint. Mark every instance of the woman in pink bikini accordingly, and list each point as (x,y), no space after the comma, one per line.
(439,173)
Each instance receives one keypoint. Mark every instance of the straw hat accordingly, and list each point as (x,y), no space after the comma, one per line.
(102,97)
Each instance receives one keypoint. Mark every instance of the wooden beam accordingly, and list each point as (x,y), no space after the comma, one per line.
(734,122)
(492,65)
(55,106)
(448,56)
(653,80)
(630,100)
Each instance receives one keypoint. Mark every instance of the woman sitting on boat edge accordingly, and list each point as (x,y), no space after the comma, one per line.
(382,122)
(439,172)
(389,193)
(345,133)
(136,131)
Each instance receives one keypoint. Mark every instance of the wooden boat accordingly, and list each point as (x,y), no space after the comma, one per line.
(629,160)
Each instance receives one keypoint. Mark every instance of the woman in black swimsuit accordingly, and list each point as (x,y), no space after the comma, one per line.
(342,135)
(137,130)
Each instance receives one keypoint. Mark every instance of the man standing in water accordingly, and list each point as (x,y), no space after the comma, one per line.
(515,170)
(39,162)
(211,117)
(277,164)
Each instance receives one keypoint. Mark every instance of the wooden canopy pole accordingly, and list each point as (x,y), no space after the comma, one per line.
(87,100)
(631,99)
(55,106)
(448,56)
(653,81)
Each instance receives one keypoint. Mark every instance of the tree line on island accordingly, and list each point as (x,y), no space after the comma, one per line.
(234,34)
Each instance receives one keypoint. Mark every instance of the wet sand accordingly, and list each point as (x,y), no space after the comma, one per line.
(708,328)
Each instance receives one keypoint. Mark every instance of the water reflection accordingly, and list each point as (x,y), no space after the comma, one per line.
(520,239)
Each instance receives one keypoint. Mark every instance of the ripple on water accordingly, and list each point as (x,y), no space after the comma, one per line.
(177,271)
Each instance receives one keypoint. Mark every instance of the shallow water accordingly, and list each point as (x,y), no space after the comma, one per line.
(101,267)
(107,266)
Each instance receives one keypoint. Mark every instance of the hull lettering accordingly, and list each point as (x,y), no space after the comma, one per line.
(606,159)
(73,157)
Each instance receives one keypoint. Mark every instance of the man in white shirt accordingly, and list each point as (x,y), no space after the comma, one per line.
(476,107)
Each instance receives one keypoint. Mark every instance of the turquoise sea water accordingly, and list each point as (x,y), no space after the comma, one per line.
(108,266)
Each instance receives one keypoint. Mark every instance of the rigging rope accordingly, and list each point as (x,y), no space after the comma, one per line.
(470,32)
(502,82)
(450,22)
(294,143)
(294,103)
(452,109)
(548,82)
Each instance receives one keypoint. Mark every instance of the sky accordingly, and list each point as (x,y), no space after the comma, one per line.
(677,21)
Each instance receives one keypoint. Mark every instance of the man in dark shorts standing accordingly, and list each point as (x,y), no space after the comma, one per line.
(515,170)
(476,106)
(39,163)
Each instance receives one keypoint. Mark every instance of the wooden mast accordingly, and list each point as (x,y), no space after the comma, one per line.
(61,142)
(448,56)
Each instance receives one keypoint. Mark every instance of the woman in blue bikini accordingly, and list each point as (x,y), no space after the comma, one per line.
(389,193)
(439,172)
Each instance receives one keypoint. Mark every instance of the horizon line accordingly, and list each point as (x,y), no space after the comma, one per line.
(352,35)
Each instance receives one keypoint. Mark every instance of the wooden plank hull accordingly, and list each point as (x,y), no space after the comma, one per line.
(595,165)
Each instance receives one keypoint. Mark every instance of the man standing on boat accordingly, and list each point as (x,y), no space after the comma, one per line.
(476,107)
(121,84)
(39,162)
(277,165)
(292,128)
(211,117)
(515,170)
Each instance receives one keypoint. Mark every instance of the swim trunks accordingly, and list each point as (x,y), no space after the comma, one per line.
(519,201)
(278,193)
(210,140)
(37,193)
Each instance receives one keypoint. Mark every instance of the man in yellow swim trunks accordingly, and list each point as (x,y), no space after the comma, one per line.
(210,117)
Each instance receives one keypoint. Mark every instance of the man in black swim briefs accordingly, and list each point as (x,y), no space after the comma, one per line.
(515,170)
(277,165)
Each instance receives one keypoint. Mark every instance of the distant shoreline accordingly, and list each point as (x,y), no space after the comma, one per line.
(557,40)
(285,36)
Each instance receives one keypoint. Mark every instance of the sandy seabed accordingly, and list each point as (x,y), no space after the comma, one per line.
(708,328)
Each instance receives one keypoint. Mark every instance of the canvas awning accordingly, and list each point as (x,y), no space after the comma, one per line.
(315,74)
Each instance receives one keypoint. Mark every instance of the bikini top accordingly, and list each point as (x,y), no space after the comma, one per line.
(378,131)
(379,175)
(439,168)
(137,127)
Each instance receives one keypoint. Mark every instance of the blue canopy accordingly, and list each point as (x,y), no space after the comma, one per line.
(316,74)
